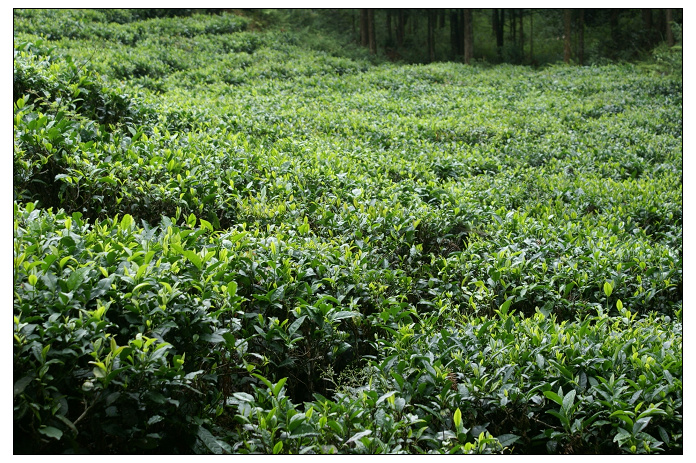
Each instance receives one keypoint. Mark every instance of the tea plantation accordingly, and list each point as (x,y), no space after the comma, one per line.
(231,240)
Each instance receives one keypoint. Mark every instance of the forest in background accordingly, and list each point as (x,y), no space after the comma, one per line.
(528,36)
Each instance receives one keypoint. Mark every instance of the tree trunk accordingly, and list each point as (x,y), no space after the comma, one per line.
(521,29)
(400,27)
(431,35)
(494,25)
(389,27)
(566,36)
(371,30)
(468,36)
(581,36)
(442,19)
(614,25)
(460,35)
(498,31)
(647,18)
(648,27)
(363,27)
(670,35)
(531,36)
(501,32)
(454,34)
(352,21)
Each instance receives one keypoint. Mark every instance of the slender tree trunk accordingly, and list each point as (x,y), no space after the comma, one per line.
(503,14)
(581,36)
(352,21)
(442,18)
(460,34)
(363,27)
(647,18)
(400,27)
(454,34)
(389,27)
(494,25)
(431,35)
(670,35)
(531,35)
(648,27)
(614,25)
(512,13)
(566,35)
(498,27)
(614,33)
(371,30)
(521,29)
(468,36)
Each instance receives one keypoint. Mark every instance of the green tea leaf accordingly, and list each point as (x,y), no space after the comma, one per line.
(264,380)
(193,257)
(51,432)
(457,418)
(296,420)
(623,416)
(335,316)
(126,222)
(109,180)
(640,424)
(210,441)
(231,288)
(608,288)
(553,396)
(383,397)
(506,306)
(359,435)
(292,329)
(21,384)
(206,225)
(568,400)
(506,440)
(76,278)
(278,386)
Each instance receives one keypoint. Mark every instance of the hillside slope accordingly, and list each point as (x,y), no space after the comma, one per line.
(227,240)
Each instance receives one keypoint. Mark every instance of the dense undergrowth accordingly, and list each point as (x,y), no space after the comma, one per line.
(225,241)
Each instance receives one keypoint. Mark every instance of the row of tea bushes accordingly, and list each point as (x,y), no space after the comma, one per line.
(227,240)
(552,214)
(130,333)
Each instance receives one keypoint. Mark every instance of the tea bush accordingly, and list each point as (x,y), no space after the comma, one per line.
(229,241)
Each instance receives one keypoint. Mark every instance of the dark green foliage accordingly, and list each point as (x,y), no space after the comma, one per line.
(226,241)
(101,337)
